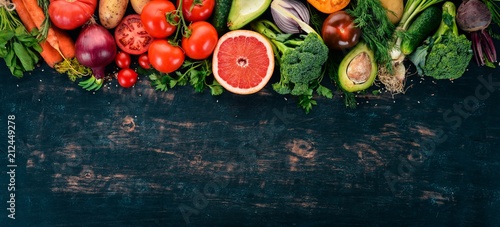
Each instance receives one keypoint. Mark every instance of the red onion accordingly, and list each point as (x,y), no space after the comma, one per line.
(95,48)
(282,12)
(473,16)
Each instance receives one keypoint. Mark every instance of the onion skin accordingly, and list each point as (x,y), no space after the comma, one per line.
(288,25)
(95,48)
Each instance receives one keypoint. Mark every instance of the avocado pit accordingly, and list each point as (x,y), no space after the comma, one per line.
(359,69)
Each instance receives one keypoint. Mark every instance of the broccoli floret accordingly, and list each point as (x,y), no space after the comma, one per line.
(446,54)
(449,58)
(300,58)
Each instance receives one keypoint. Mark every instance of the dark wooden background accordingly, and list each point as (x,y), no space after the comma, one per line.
(140,157)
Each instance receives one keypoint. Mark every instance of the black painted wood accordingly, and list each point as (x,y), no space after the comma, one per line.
(140,157)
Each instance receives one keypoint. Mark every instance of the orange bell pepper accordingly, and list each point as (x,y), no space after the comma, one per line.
(329,6)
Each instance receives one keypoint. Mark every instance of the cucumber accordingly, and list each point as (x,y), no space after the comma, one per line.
(219,18)
(421,28)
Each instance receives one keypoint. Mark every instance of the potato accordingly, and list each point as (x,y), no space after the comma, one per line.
(138,5)
(394,9)
(111,12)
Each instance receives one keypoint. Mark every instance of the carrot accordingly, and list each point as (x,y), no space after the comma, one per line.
(38,16)
(66,43)
(23,14)
(50,55)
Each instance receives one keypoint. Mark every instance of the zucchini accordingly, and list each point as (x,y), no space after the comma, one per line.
(421,28)
(221,12)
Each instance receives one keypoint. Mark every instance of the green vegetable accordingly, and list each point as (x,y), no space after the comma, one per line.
(411,10)
(372,18)
(300,58)
(423,26)
(446,54)
(220,14)
(195,73)
(19,48)
(243,12)
(358,69)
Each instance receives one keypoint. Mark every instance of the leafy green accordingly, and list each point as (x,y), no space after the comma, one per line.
(18,47)
(195,73)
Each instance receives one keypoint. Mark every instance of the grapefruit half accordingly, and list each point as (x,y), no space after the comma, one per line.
(243,61)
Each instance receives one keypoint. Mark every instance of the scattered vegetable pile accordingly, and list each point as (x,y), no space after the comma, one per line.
(315,45)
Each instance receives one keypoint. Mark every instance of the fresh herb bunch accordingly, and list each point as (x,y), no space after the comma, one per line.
(371,17)
(18,47)
(195,73)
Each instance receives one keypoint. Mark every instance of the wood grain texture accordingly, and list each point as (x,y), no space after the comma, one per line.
(139,157)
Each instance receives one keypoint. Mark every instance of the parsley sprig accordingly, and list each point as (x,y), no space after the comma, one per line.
(195,73)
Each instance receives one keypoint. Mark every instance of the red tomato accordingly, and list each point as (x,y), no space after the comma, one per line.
(201,42)
(154,19)
(130,35)
(164,56)
(127,77)
(122,60)
(69,15)
(197,10)
(144,61)
(339,31)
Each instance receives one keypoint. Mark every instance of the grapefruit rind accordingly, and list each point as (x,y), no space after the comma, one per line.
(269,54)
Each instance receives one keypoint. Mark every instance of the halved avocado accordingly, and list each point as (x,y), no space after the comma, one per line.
(243,12)
(358,69)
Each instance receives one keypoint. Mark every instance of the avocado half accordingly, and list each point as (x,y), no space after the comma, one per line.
(243,12)
(358,69)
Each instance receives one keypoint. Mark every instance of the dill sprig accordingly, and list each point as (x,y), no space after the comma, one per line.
(377,30)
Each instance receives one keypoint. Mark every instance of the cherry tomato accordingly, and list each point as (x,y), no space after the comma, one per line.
(164,56)
(144,61)
(197,10)
(122,60)
(69,15)
(201,42)
(130,35)
(339,31)
(127,77)
(154,19)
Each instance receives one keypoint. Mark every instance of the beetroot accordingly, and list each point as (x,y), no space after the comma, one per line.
(473,16)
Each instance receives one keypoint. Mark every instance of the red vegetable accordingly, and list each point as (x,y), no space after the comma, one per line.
(123,60)
(164,56)
(154,18)
(95,48)
(201,41)
(339,31)
(72,14)
(144,61)
(130,35)
(473,16)
(127,77)
(196,10)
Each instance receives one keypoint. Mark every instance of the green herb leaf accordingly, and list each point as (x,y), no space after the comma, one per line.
(24,57)
(324,91)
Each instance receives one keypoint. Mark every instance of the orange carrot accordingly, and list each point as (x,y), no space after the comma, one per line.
(66,43)
(50,55)
(23,14)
